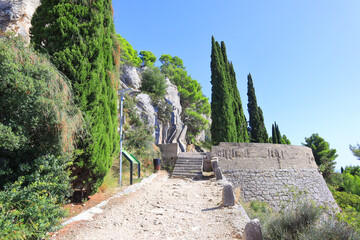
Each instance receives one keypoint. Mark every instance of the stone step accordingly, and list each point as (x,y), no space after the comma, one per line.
(191,157)
(178,169)
(189,165)
(186,174)
(188,161)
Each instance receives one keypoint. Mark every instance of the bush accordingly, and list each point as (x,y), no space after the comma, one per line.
(37,114)
(351,183)
(153,81)
(345,200)
(28,212)
(291,222)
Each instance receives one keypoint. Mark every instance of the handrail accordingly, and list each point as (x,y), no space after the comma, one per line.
(132,160)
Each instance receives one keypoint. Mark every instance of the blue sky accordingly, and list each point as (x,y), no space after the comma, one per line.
(304,56)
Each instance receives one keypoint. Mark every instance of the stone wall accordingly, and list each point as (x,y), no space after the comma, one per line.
(267,172)
(263,156)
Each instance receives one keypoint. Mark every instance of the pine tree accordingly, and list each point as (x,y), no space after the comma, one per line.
(256,122)
(223,127)
(79,37)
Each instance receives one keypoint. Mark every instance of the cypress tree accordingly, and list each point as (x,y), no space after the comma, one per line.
(79,37)
(256,122)
(240,120)
(264,134)
(278,134)
(274,136)
(223,127)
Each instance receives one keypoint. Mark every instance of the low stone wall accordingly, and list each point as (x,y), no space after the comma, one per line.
(273,186)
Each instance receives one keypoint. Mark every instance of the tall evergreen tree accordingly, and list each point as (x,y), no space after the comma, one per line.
(223,127)
(264,134)
(278,134)
(240,119)
(79,37)
(274,136)
(256,122)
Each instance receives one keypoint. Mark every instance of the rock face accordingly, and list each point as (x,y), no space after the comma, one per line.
(269,172)
(174,130)
(15,15)
(131,76)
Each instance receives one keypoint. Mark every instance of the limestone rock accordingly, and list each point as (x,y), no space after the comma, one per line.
(15,15)
(131,76)
(253,230)
(146,110)
(218,173)
(173,131)
(228,196)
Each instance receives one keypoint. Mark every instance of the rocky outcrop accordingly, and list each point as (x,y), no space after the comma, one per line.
(131,76)
(15,15)
(171,131)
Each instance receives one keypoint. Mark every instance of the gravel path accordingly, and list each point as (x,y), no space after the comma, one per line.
(164,209)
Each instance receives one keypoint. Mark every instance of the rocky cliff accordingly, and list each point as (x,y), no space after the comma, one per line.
(15,15)
(172,131)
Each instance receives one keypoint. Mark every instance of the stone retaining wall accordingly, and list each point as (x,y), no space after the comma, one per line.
(273,186)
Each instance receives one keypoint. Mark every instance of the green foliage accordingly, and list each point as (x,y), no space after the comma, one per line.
(351,183)
(346,200)
(290,223)
(80,40)
(259,210)
(353,170)
(195,105)
(153,81)
(148,58)
(258,133)
(29,211)
(37,114)
(129,56)
(276,136)
(228,120)
(138,138)
(355,150)
(324,156)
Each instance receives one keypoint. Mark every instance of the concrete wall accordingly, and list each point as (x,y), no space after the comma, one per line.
(266,172)
(263,156)
(169,155)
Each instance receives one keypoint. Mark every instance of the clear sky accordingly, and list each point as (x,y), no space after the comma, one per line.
(304,56)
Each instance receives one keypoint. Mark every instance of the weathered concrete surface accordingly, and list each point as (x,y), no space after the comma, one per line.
(263,156)
(15,15)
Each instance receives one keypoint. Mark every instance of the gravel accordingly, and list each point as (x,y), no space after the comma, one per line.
(164,208)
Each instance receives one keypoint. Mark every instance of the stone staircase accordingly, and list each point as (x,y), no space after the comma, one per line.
(189,165)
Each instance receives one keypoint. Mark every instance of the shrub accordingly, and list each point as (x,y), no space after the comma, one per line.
(153,81)
(351,183)
(37,114)
(28,212)
(345,200)
(291,222)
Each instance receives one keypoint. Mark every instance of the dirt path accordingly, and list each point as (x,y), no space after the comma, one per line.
(163,209)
